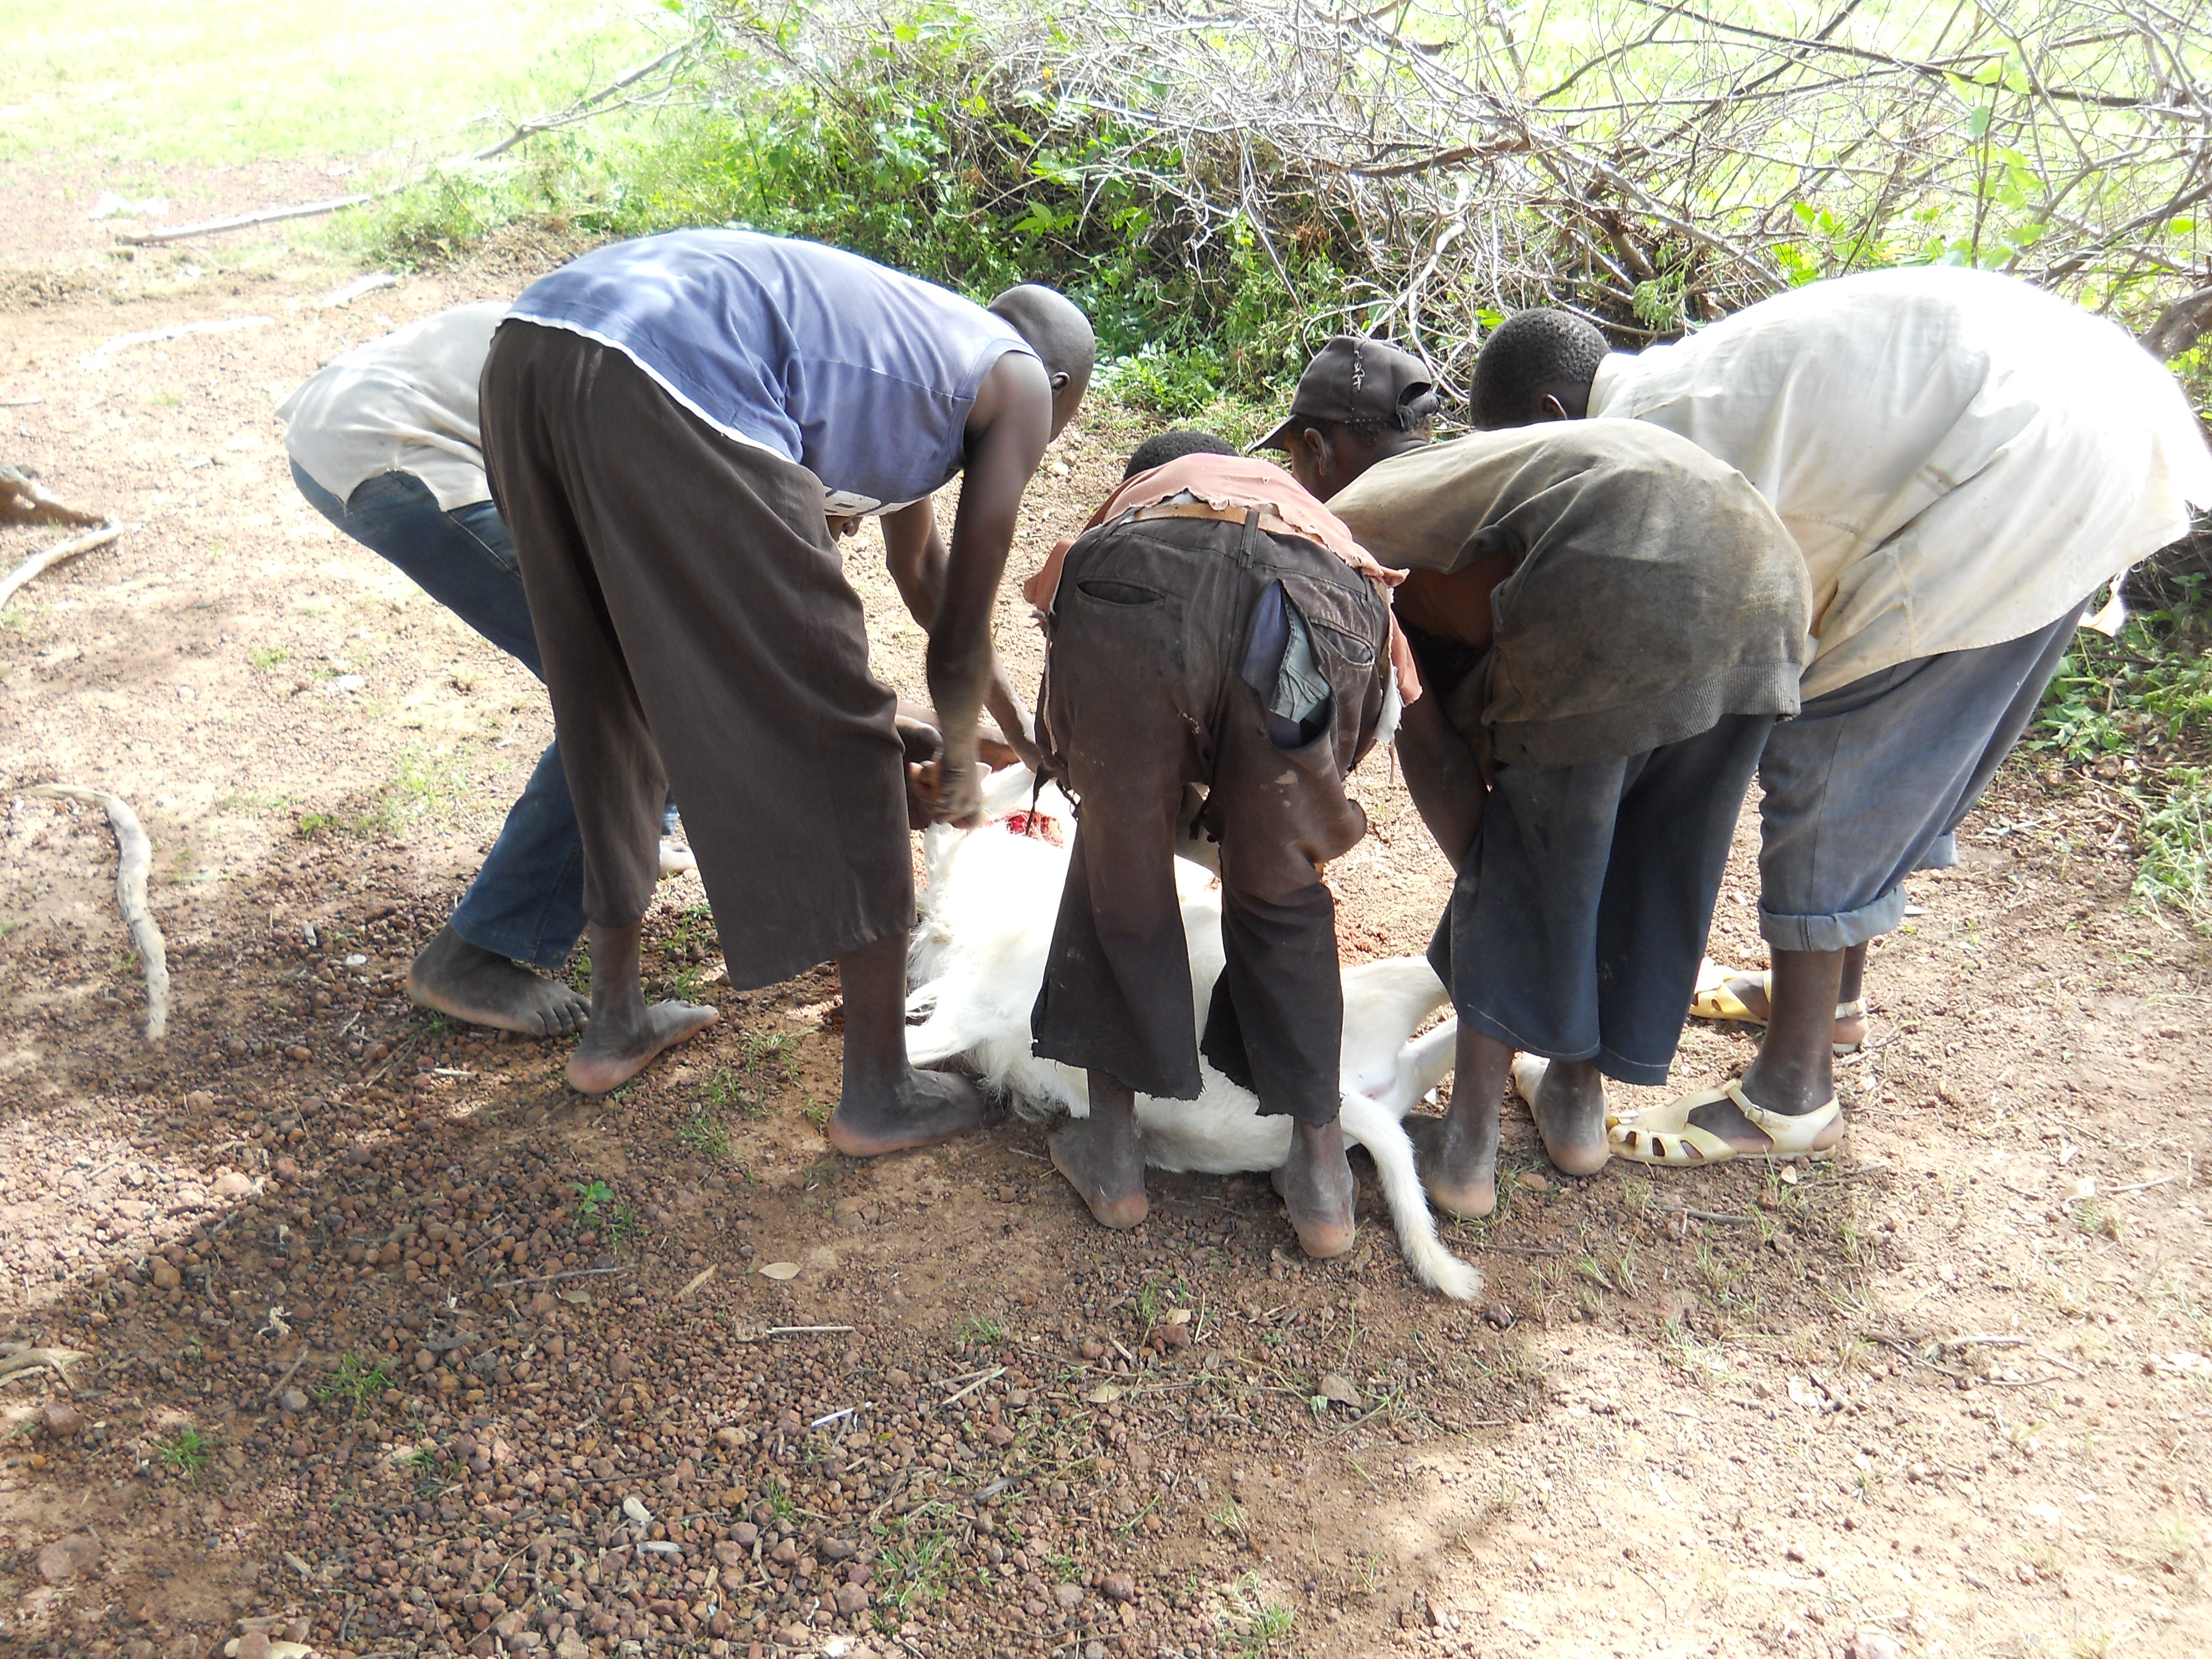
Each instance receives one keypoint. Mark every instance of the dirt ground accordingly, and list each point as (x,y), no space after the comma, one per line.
(391,1345)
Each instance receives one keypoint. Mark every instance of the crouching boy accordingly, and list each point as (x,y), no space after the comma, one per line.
(1609,622)
(1220,659)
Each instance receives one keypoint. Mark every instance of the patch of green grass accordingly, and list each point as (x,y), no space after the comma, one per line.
(1259,1621)
(983,1333)
(188,1451)
(134,83)
(264,658)
(770,1050)
(358,1381)
(701,1133)
(592,1197)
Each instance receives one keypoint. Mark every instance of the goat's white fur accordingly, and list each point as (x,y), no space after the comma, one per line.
(978,957)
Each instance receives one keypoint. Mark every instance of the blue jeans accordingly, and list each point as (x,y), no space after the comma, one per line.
(1868,783)
(528,901)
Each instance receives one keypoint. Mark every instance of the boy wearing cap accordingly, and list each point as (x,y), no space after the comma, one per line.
(1608,622)
(1215,628)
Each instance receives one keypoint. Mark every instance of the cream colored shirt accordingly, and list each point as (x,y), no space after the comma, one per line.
(406,403)
(1961,458)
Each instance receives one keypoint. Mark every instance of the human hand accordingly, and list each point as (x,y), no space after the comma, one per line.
(954,791)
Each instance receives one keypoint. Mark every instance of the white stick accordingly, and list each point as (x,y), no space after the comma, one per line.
(135,856)
(60,553)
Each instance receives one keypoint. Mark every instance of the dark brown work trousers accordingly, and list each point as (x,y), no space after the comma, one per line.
(1144,693)
(694,615)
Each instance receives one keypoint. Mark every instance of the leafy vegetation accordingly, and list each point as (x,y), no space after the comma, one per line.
(2137,711)
(188,1451)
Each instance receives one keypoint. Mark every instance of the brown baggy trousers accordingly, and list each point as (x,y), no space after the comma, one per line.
(694,615)
(1145,693)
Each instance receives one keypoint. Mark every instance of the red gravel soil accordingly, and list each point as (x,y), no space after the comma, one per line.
(387,1343)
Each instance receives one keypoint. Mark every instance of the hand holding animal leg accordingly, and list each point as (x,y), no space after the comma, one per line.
(887,1105)
(1458,1162)
(1102,1155)
(1318,1189)
(625,1035)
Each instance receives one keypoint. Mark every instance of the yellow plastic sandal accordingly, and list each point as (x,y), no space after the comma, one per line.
(1666,1135)
(1713,999)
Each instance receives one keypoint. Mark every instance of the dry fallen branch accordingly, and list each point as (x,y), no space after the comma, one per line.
(1656,166)
(135,856)
(23,502)
(60,553)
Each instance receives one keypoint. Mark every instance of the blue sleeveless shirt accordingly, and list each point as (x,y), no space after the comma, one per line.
(859,374)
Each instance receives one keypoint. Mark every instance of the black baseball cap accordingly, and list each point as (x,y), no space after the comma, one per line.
(1352,379)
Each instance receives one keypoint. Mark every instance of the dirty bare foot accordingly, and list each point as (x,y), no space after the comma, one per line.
(484,989)
(1568,1104)
(1102,1155)
(613,1052)
(1458,1157)
(1318,1190)
(920,1110)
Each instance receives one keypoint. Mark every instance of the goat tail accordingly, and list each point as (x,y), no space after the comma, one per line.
(1374,1127)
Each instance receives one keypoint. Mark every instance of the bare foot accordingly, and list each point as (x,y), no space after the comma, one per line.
(611,1054)
(1568,1104)
(484,989)
(926,1108)
(1106,1167)
(1318,1190)
(1458,1157)
(1751,990)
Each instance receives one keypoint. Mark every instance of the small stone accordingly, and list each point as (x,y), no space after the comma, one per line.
(633,1507)
(745,1535)
(1173,1338)
(852,1599)
(254,1645)
(1530,1181)
(834,1549)
(166,1277)
(572,1647)
(298,1051)
(1500,1315)
(1867,1642)
(728,1438)
(292,1400)
(288,1169)
(1794,1553)
(1120,1587)
(201,1100)
(791,1636)
(1069,1596)
(619,1367)
(65,1558)
(1337,1388)
(62,1418)
(425,1360)
(1093,1348)
(544,1304)
(787,1552)
(232,1184)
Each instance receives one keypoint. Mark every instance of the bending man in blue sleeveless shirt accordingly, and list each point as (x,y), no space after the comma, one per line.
(666,423)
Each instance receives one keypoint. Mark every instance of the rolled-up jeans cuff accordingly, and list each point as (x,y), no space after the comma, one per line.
(1835,932)
(1942,853)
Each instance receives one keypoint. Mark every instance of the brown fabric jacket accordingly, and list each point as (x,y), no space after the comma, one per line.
(1654,590)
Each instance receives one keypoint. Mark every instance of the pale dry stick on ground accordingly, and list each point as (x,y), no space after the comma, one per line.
(60,553)
(134,857)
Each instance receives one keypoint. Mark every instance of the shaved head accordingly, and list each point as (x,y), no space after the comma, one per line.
(1061,336)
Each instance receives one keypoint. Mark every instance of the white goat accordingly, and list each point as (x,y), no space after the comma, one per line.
(978,960)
